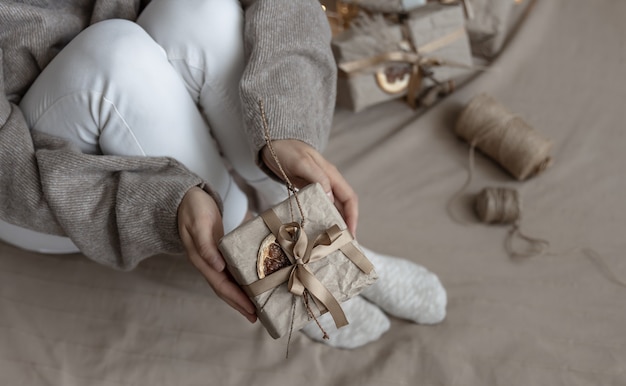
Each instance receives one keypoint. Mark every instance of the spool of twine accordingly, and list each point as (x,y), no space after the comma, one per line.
(521,150)
(503,136)
(504,206)
(498,206)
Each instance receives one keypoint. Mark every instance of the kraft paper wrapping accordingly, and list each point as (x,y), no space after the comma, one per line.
(387,6)
(426,24)
(336,272)
(434,21)
(488,27)
(357,92)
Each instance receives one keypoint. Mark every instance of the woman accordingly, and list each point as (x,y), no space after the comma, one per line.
(138,126)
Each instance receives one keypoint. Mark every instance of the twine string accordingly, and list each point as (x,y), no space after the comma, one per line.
(468,181)
(290,187)
(603,266)
(503,206)
(305,300)
(290,190)
(505,137)
(293,315)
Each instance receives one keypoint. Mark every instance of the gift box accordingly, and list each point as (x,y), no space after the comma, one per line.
(380,59)
(488,25)
(294,272)
(386,6)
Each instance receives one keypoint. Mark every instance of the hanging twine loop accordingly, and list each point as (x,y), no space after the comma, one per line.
(504,206)
(522,151)
(290,190)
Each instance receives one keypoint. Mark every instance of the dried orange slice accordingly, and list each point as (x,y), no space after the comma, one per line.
(393,79)
(271,257)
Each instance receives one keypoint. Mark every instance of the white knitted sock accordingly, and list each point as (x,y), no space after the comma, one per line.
(406,290)
(367,324)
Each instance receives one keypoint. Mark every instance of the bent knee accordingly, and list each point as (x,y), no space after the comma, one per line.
(208,34)
(112,45)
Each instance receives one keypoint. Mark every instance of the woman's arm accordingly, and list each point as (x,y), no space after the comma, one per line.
(117,210)
(290,67)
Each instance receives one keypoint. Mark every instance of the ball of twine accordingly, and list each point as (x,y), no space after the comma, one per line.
(503,136)
(504,206)
(498,206)
(521,150)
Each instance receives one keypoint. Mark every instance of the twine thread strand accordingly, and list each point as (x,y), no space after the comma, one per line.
(517,147)
(290,190)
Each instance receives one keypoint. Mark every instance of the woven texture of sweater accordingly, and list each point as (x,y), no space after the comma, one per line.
(120,210)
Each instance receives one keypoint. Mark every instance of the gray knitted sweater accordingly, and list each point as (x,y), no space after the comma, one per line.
(120,210)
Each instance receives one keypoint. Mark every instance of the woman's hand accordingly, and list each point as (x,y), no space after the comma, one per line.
(200,227)
(304,165)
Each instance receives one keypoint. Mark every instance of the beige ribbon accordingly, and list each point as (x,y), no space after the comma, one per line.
(467,7)
(301,252)
(416,59)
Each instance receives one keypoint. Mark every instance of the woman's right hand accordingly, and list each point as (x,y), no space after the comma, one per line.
(200,228)
(304,165)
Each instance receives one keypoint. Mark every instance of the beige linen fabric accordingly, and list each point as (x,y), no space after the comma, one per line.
(545,321)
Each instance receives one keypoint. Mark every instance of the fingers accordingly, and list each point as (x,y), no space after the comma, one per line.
(311,170)
(199,219)
(336,186)
(304,165)
(345,197)
(227,290)
(200,226)
(205,243)
(220,281)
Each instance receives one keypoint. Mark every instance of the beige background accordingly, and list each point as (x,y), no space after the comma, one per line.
(554,320)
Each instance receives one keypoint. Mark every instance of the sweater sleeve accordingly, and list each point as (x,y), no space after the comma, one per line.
(290,66)
(117,210)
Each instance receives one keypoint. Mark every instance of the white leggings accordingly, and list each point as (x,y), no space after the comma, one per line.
(167,85)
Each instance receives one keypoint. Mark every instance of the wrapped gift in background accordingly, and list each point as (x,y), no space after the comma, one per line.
(252,252)
(380,58)
(488,25)
(339,14)
(386,6)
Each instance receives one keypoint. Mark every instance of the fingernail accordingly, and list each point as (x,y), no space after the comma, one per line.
(330,195)
(251,316)
(218,264)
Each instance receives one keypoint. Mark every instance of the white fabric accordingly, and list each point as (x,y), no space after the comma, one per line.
(367,324)
(35,241)
(164,86)
(406,290)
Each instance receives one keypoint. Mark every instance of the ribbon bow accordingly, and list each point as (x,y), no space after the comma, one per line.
(415,56)
(301,252)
